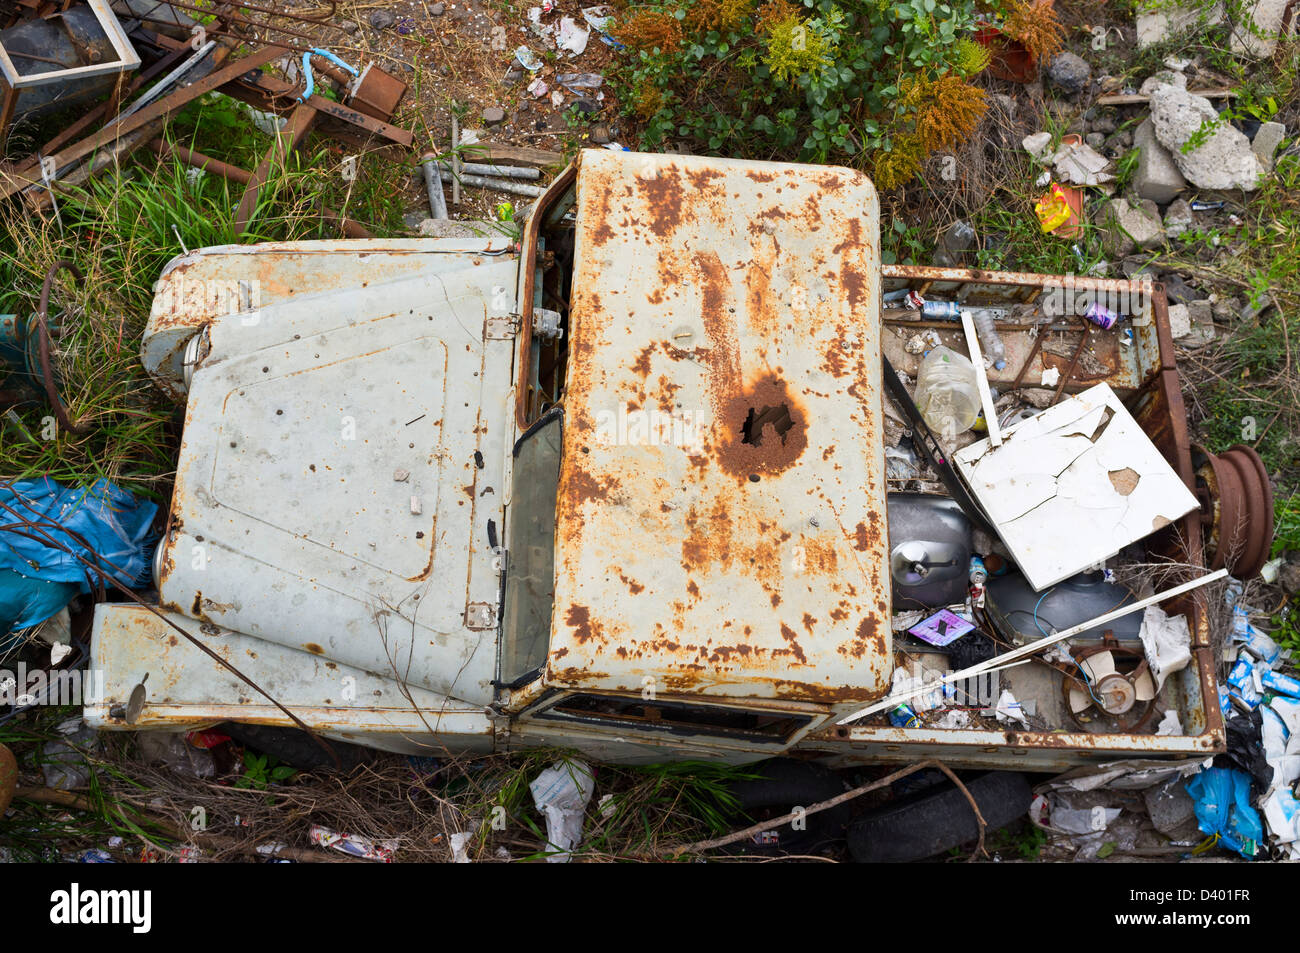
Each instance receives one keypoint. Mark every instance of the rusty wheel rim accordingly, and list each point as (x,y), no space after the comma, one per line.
(1258,503)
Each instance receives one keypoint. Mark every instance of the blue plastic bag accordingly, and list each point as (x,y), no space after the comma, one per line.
(103,524)
(1222,797)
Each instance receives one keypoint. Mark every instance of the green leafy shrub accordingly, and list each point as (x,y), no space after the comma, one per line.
(853,82)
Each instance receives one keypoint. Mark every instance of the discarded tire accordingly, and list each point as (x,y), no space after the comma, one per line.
(937,819)
(294,747)
(783,785)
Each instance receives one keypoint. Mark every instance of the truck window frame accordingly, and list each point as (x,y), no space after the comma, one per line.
(530,554)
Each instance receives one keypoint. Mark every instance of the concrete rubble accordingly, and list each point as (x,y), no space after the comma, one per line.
(1157,176)
(1267,139)
(1266,17)
(1128,226)
(1157,21)
(1221,159)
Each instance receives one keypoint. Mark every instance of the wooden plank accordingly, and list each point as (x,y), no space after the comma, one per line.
(1136,99)
(504,154)
(11,183)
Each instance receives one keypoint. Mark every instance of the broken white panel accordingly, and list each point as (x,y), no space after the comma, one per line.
(1073,485)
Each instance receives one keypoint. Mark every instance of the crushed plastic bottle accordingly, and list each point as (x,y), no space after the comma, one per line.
(990,340)
(946,392)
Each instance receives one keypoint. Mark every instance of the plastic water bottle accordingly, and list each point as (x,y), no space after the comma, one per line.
(990,340)
(946,392)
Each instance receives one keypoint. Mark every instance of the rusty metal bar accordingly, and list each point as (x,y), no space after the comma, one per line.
(200,161)
(16,182)
(233,173)
(271,86)
(286,141)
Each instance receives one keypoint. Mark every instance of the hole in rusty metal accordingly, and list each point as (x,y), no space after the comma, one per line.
(757,422)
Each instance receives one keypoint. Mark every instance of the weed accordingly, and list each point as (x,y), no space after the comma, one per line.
(262,770)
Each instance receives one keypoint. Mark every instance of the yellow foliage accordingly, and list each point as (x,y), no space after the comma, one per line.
(945,111)
(720,15)
(969,57)
(649,100)
(648,29)
(1035,24)
(796,48)
(900,165)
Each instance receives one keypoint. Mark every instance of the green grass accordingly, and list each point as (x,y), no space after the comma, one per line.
(1023,245)
(1254,370)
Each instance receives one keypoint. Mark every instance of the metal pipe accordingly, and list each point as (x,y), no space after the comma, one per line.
(499,185)
(455,159)
(501,171)
(200,161)
(433,185)
(164,83)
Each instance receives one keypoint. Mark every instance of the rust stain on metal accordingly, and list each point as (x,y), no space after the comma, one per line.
(747,342)
(778,445)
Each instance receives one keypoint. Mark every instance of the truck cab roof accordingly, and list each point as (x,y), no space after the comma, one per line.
(720,523)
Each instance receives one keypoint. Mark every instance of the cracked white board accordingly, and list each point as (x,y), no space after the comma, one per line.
(1074,485)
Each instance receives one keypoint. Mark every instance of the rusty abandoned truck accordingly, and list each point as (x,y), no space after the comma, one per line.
(617,484)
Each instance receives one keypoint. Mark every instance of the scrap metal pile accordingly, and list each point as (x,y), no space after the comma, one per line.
(161,61)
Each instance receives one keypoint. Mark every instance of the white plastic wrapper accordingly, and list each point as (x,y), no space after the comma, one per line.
(562,793)
(1009,709)
(1167,642)
(570,37)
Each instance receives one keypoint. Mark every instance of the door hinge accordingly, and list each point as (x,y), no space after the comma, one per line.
(480,615)
(501,328)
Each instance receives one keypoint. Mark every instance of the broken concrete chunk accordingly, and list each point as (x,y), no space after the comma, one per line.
(1266,16)
(1158,20)
(1267,139)
(1180,321)
(1037,145)
(1163,78)
(1157,176)
(1219,155)
(1200,314)
(1127,226)
(1179,217)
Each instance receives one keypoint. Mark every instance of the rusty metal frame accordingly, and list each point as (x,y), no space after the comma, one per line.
(1158,405)
(14,182)
(528,266)
(127,59)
